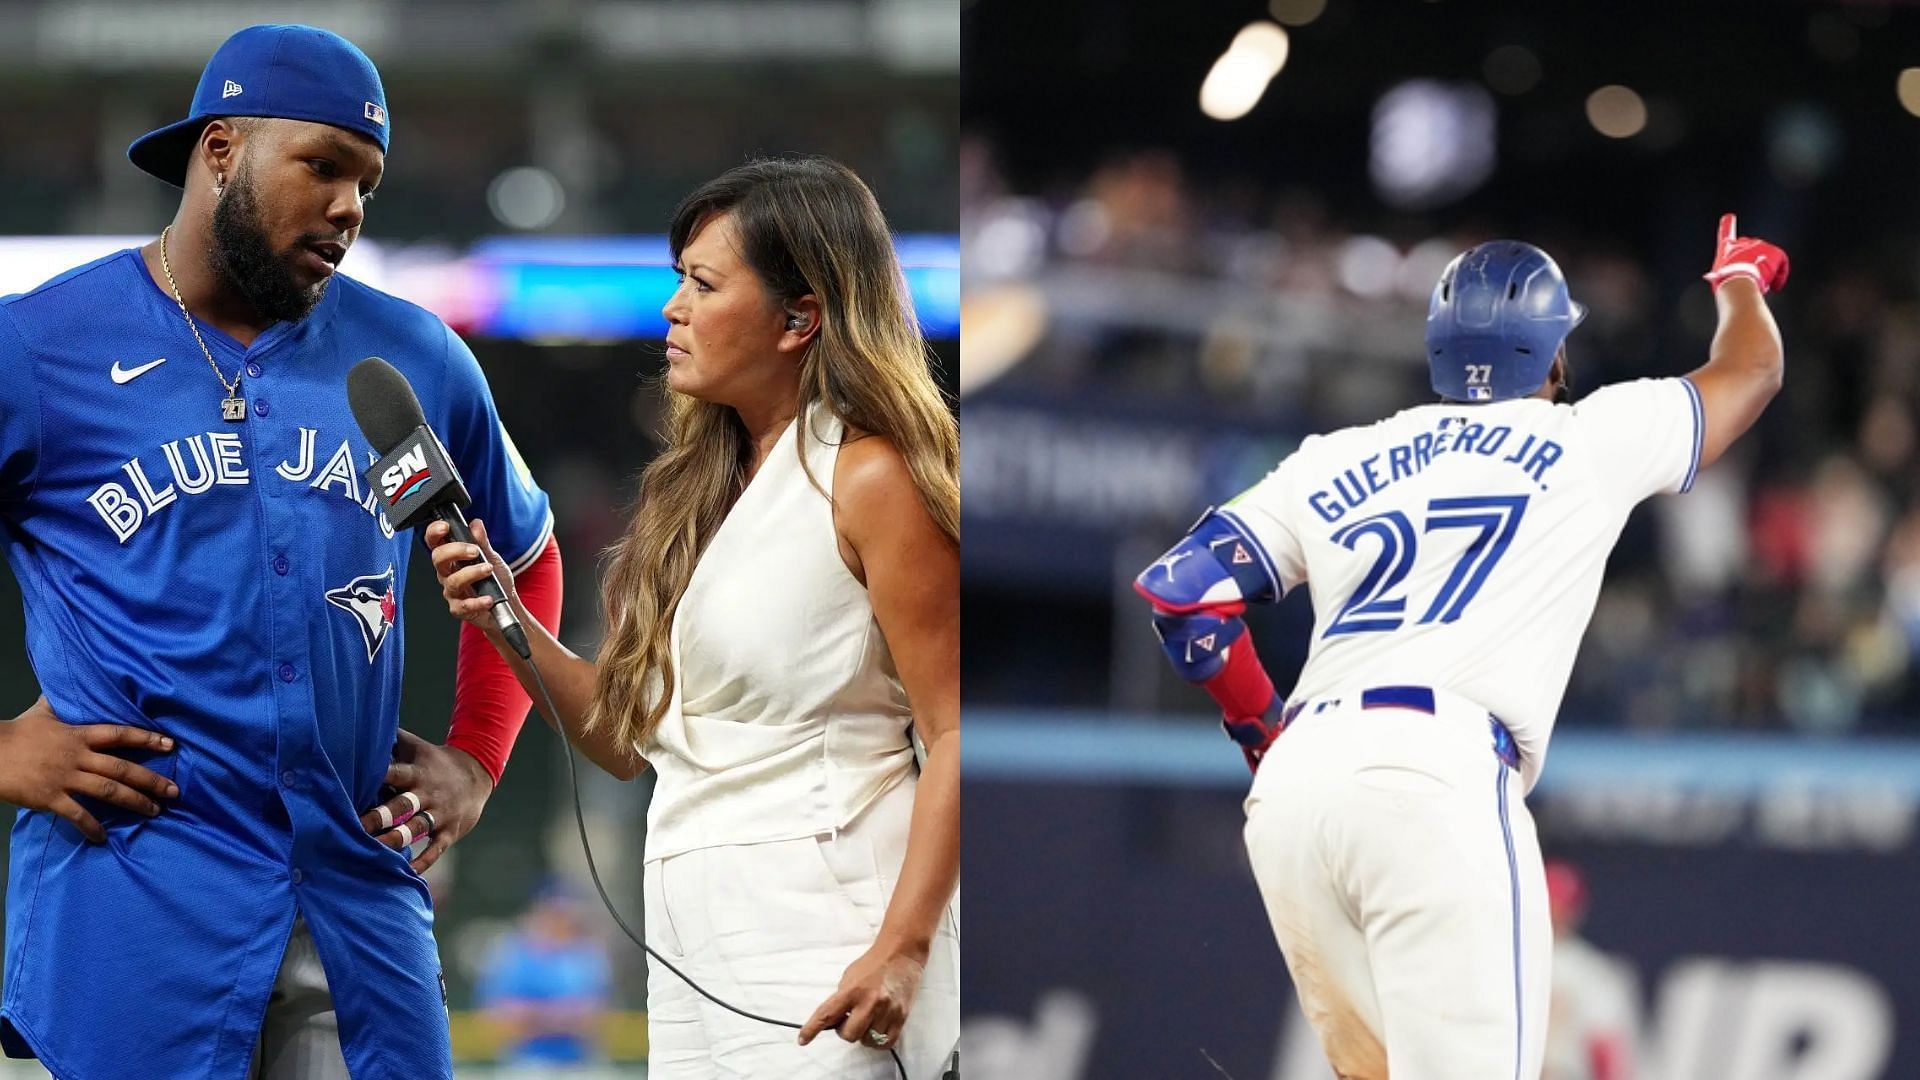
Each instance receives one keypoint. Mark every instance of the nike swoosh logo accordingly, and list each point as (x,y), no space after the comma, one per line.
(123,376)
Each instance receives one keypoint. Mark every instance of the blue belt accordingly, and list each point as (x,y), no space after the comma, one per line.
(1416,699)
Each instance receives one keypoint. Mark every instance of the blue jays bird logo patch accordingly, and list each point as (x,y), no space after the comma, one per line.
(371,602)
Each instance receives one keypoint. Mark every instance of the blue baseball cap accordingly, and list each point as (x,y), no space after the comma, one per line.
(283,70)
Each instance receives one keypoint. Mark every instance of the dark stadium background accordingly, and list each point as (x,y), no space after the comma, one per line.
(1159,305)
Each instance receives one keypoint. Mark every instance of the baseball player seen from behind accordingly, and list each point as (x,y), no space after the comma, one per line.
(1454,552)
(205,880)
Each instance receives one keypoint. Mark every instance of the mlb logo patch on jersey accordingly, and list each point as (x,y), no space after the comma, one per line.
(370,600)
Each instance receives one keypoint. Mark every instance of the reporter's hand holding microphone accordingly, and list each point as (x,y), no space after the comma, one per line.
(461,566)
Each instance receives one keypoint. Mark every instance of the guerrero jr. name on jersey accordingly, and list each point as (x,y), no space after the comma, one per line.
(197,464)
(1353,486)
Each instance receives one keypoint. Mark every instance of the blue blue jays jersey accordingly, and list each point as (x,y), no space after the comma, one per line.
(235,586)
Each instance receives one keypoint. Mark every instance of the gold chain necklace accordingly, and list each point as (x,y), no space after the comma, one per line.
(233,407)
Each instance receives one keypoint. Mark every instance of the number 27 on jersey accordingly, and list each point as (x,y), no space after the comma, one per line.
(1379,604)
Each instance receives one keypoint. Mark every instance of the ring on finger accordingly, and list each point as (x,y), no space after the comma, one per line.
(425,817)
(878,1038)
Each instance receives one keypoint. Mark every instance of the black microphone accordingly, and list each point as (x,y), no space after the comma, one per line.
(415,478)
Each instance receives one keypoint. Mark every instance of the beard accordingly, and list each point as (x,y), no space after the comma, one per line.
(242,255)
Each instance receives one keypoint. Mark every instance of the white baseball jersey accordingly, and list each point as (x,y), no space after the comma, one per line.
(1461,546)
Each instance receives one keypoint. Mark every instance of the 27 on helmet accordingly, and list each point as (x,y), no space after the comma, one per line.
(1497,318)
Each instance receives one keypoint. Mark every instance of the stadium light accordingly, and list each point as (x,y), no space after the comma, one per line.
(1512,69)
(1616,112)
(1368,266)
(1432,142)
(1296,12)
(526,197)
(1803,142)
(1234,85)
(1909,90)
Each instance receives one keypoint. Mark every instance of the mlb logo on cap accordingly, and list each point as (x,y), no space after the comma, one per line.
(296,72)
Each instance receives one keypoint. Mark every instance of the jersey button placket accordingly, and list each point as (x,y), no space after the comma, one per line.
(280,565)
(287,673)
(260,407)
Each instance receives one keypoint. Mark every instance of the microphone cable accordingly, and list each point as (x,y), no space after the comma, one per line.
(580,820)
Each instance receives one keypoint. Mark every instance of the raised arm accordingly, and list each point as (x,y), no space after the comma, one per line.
(1746,362)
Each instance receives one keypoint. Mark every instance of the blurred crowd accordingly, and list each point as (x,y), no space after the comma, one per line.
(560,151)
(1782,593)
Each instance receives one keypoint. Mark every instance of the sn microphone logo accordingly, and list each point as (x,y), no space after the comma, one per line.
(406,476)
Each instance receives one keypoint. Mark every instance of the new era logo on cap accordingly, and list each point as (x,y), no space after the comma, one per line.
(278,70)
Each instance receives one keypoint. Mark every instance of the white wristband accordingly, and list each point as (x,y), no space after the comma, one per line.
(1736,270)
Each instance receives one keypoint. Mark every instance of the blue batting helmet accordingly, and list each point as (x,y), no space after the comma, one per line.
(1497,318)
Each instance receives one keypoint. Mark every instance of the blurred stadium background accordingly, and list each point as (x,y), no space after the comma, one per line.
(1193,234)
(538,148)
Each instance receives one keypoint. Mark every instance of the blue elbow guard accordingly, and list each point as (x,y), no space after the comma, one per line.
(1197,641)
(1217,567)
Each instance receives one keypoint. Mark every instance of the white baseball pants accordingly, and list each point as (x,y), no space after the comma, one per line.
(1403,877)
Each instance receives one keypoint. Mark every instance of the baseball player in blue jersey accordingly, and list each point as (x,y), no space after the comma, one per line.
(1454,552)
(205,880)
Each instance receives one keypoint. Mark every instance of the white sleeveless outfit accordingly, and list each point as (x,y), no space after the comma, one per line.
(785,790)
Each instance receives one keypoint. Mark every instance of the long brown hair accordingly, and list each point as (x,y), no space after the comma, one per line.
(806,226)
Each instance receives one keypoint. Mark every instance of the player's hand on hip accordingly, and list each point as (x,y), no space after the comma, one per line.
(441,792)
(876,993)
(1737,256)
(45,762)
(460,566)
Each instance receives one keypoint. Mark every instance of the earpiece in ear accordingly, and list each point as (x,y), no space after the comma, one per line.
(796,322)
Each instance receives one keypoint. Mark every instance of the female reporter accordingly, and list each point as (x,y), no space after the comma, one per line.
(783,610)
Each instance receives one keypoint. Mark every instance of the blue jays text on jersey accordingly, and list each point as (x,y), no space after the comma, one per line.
(1350,487)
(236,587)
(127,506)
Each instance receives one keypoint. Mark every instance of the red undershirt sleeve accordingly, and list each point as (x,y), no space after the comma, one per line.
(488,704)
(1243,688)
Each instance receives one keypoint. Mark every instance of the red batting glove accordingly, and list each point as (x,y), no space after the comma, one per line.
(1744,256)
